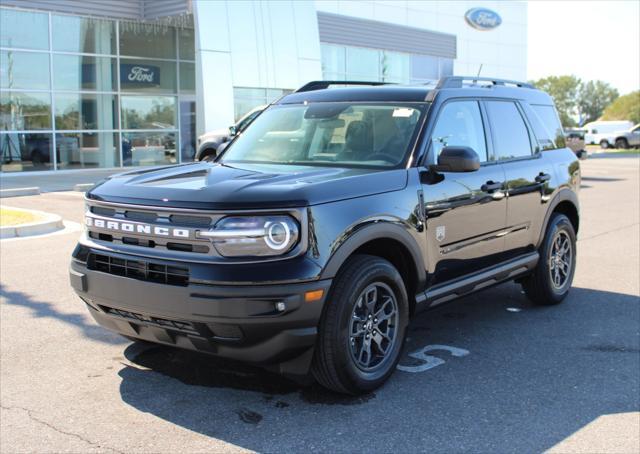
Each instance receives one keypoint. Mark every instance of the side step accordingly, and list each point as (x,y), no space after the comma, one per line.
(469,284)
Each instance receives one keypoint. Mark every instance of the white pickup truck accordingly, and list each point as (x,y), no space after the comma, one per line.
(605,133)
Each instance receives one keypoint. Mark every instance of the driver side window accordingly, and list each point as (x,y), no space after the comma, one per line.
(460,123)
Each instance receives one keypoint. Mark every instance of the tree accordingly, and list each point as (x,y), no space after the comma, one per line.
(564,91)
(593,98)
(626,107)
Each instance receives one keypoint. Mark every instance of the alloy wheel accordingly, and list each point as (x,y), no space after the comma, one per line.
(373,326)
(560,260)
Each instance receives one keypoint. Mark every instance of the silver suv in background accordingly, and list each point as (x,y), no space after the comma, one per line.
(627,139)
(209,142)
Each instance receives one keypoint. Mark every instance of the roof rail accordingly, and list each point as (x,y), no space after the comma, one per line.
(322,84)
(459,82)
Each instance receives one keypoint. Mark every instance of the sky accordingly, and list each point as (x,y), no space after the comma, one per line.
(594,40)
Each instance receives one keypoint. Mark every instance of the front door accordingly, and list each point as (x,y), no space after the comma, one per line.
(465,212)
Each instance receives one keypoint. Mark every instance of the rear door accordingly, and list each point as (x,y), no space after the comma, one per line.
(527,174)
(465,212)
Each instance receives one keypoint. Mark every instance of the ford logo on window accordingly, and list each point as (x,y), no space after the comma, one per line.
(139,75)
(482,19)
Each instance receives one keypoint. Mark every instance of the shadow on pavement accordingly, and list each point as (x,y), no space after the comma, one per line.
(534,376)
(41,309)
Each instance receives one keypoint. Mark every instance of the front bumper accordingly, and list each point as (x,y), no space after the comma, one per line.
(239,322)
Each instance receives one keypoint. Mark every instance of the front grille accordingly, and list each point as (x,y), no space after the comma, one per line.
(112,218)
(139,269)
(184,327)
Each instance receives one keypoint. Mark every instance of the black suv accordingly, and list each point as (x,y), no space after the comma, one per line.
(316,235)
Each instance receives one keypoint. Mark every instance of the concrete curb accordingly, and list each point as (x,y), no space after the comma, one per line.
(83,187)
(50,223)
(17,192)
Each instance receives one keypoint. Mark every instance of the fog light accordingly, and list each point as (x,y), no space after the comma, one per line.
(280,306)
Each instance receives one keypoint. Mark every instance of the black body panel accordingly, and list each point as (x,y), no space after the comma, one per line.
(451,233)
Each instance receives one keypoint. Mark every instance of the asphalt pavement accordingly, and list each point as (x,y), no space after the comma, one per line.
(487,373)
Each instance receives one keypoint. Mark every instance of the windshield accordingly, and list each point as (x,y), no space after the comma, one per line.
(344,134)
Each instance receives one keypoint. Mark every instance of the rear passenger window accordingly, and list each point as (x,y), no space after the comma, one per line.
(547,127)
(460,123)
(510,133)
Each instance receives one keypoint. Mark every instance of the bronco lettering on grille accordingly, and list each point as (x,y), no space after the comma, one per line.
(145,229)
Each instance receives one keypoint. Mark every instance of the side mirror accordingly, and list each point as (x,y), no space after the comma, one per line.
(233,130)
(457,159)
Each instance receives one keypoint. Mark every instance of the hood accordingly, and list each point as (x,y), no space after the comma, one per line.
(215,186)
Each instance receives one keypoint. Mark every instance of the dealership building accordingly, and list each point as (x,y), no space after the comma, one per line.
(108,83)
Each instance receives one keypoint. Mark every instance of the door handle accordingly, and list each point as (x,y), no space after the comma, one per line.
(543,177)
(491,186)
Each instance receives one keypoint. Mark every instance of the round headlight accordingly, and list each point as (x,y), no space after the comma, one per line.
(278,235)
(254,236)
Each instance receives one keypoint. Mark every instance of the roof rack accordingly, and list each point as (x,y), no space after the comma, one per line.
(322,84)
(459,82)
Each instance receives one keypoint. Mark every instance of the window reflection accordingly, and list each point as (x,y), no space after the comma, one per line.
(148,148)
(85,111)
(28,70)
(24,29)
(83,34)
(187,130)
(24,152)
(138,39)
(75,72)
(148,112)
(25,111)
(87,150)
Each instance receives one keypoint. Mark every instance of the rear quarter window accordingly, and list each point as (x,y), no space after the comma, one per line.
(547,127)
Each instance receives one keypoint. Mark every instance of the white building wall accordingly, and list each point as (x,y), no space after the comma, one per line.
(251,43)
(275,44)
(502,51)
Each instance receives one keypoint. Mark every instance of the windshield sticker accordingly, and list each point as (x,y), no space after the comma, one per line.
(402,112)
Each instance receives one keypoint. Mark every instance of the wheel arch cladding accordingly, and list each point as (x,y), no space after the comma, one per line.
(390,242)
(566,202)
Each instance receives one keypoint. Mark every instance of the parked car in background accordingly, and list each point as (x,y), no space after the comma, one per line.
(575,141)
(600,132)
(209,143)
(626,139)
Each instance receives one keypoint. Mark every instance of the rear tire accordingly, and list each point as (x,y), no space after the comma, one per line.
(622,144)
(551,279)
(363,327)
(604,144)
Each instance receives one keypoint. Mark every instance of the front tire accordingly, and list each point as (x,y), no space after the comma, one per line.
(552,278)
(604,144)
(363,327)
(208,155)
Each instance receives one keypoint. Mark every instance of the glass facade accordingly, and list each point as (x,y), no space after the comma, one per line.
(246,99)
(80,92)
(375,65)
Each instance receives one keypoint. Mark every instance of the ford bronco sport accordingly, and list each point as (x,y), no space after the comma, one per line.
(315,236)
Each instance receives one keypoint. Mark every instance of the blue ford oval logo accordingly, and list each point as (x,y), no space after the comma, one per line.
(482,18)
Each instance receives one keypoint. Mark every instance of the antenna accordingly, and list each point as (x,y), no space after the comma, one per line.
(479,70)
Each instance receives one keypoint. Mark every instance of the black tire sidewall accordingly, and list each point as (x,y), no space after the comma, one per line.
(375,270)
(558,222)
(621,144)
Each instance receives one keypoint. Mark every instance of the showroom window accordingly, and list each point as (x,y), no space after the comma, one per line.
(82,92)
(246,99)
(359,63)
